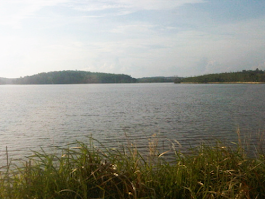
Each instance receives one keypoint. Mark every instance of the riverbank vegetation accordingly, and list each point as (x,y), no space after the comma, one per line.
(249,76)
(86,171)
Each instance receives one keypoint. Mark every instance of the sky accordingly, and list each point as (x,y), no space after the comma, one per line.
(141,38)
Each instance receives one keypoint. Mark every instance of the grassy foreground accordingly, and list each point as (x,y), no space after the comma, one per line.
(86,171)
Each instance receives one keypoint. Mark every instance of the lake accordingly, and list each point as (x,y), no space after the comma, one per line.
(34,116)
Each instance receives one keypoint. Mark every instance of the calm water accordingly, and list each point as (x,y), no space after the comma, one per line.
(34,116)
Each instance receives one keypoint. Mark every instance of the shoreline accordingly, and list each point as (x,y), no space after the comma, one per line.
(222,82)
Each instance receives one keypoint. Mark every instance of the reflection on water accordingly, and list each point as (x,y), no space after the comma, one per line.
(34,116)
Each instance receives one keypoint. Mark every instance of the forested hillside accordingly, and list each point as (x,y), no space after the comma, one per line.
(74,77)
(6,80)
(83,77)
(243,76)
(157,79)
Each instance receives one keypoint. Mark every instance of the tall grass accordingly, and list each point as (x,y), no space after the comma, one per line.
(86,171)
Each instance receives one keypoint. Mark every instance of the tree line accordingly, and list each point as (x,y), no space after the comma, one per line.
(242,76)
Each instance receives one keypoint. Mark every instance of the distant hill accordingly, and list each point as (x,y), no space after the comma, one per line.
(70,77)
(233,77)
(83,77)
(158,79)
(6,80)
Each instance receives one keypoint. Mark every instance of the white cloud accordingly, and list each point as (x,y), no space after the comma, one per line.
(66,38)
(134,28)
(128,6)
(158,4)
(12,12)
(96,5)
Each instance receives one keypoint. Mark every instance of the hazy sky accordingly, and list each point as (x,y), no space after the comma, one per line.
(135,37)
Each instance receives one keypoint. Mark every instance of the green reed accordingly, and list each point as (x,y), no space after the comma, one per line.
(87,171)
